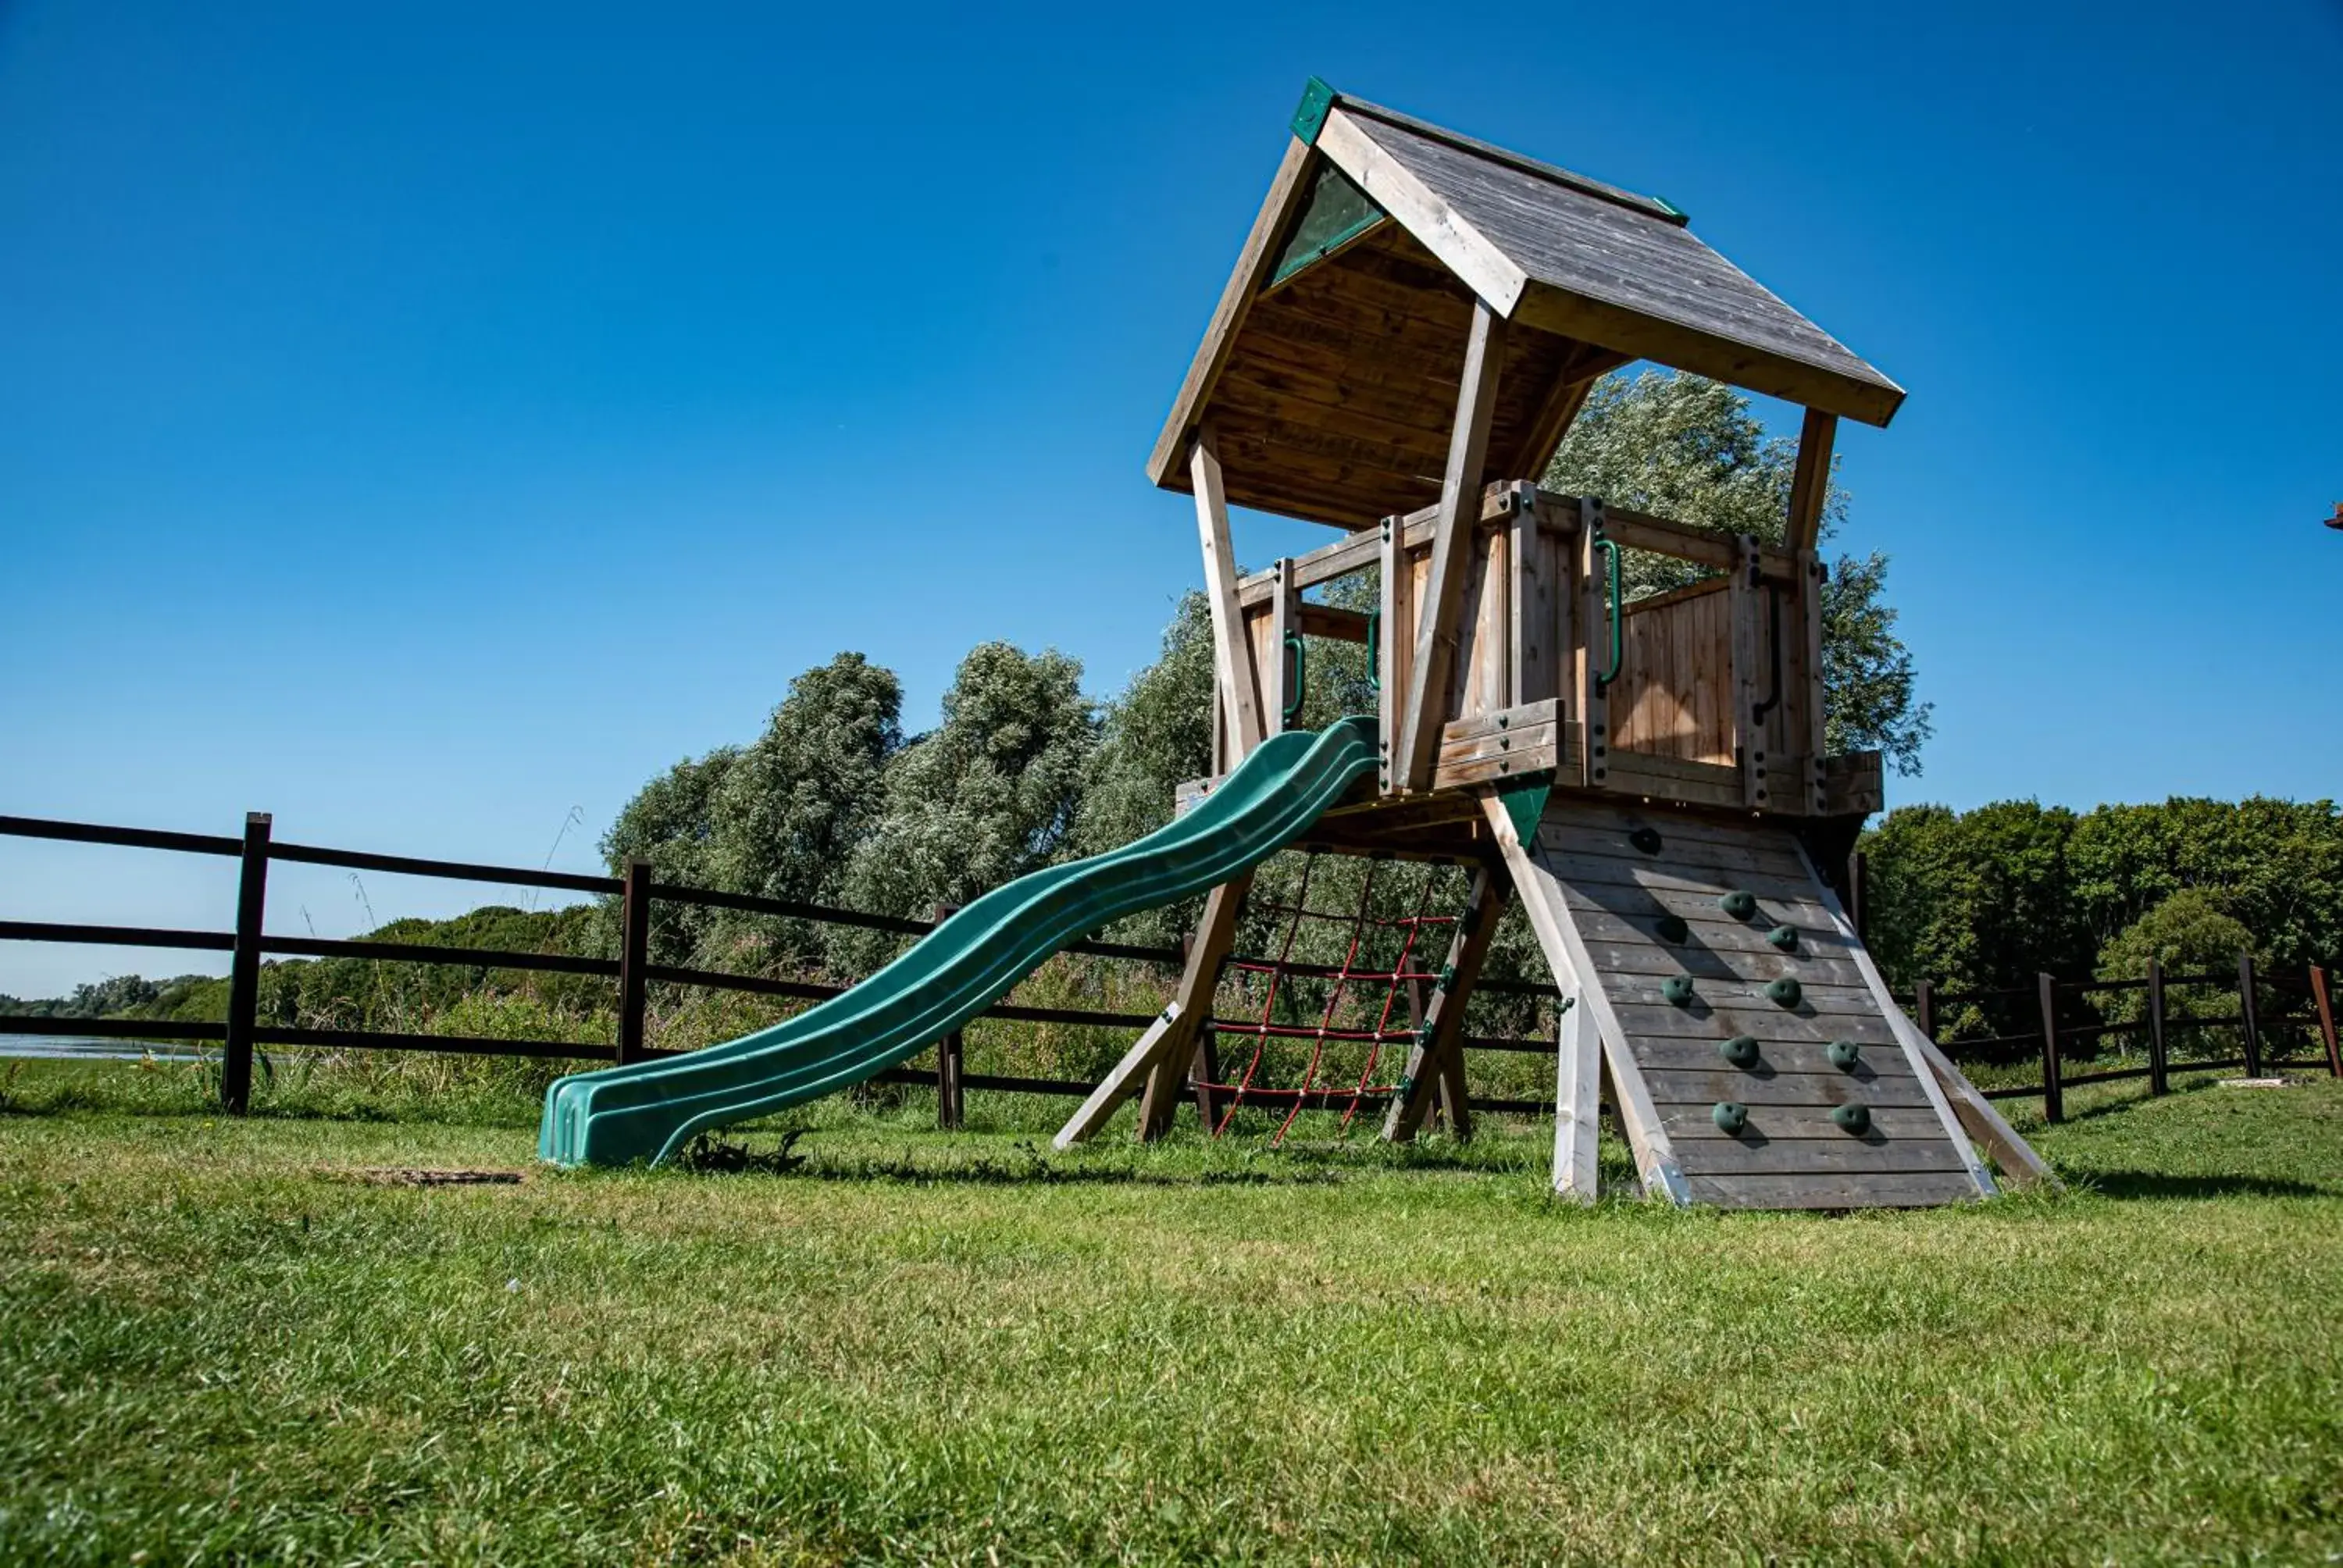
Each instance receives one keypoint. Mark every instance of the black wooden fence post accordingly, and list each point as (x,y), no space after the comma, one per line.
(2253,1029)
(951,1101)
(634,959)
(1924,1008)
(244,971)
(2159,1065)
(2053,1097)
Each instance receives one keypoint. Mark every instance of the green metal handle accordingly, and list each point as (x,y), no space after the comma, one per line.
(1618,626)
(1301,676)
(1374,650)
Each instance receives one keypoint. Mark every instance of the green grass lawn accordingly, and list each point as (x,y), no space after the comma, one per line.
(221,1342)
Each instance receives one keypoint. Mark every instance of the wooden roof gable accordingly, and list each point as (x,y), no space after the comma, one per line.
(1330,371)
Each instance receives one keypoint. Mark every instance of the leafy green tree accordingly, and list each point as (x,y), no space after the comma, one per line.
(1689,449)
(2188,932)
(1153,738)
(800,800)
(672,822)
(990,794)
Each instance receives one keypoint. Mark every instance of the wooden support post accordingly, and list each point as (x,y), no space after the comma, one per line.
(1751,668)
(1438,1053)
(1814,731)
(1442,625)
(244,971)
(2326,1020)
(1396,636)
(1157,1062)
(1857,889)
(1810,480)
(1207,1072)
(1573,973)
(2248,1016)
(2053,1096)
(634,957)
(1577,1102)
(1282,677)
(1532,674)
(1238,683)
(1923,1007)
(1593,649)
(2159,1063)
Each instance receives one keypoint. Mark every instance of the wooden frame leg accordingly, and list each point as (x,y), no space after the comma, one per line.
(1158,1061)
(1435,1063)
(1577,1103)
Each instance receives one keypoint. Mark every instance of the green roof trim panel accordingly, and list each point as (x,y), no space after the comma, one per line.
(1337,213)
(1317,98)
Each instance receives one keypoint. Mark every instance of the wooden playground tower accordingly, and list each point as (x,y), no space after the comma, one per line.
(1414,322)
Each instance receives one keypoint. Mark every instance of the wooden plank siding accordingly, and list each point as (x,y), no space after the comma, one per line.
(1608,883)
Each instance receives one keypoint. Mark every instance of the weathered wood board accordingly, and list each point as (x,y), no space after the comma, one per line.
(1640,899)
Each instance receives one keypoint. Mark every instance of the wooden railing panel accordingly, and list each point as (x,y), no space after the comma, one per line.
(1673,695)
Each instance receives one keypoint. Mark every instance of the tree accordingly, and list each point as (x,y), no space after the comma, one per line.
(990,794)
(778,818)
(1690,448)
(799,802)
(2189,933)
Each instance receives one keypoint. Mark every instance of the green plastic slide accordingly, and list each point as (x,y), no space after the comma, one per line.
(650,1110)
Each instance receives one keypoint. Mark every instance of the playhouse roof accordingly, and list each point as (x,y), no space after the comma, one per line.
(1329,372)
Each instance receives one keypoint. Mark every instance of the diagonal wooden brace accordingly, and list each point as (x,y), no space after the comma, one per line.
(1436,1060)
(1157,1062)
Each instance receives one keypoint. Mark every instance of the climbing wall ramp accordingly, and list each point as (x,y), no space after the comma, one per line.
(1753,1054)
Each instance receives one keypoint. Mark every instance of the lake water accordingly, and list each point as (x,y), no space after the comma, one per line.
(87,1047)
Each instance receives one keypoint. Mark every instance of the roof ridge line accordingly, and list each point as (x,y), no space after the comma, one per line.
(1586,184)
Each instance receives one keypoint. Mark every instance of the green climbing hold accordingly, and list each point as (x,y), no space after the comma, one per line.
(1741,1051)
(1647,840)
(1784,991)
(1783,937)
(1730,1117)
(1677,989)
(1672,929)
(1740,903)
(1845,1053)
(1853,1118)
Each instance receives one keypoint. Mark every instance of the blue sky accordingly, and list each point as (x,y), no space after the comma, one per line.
(422,421)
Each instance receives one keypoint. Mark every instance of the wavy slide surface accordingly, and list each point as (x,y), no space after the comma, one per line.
(650,1110)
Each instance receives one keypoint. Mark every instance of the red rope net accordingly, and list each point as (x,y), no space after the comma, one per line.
(1367,1004)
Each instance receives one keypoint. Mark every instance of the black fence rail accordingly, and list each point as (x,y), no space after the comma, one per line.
(2055,1032)
(635,893)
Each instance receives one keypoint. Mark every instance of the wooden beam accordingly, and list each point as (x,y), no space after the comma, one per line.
(1750,670)
(1486,270)
(1440,1034)
(1254,264)
(1810,481)
(1239,685)
(1637,335)
(1562,406)
(1281,678)
(1439,622)
(1160,1055)
(1575,976)
(1398,641)
(1810,712)
(1594,649)
(1577,1103)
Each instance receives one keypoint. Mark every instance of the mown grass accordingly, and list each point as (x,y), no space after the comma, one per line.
(218,1344)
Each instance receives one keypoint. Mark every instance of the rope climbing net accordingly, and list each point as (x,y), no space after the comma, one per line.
(1339,1018)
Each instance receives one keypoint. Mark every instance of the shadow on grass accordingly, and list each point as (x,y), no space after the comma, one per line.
(2130,1184)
